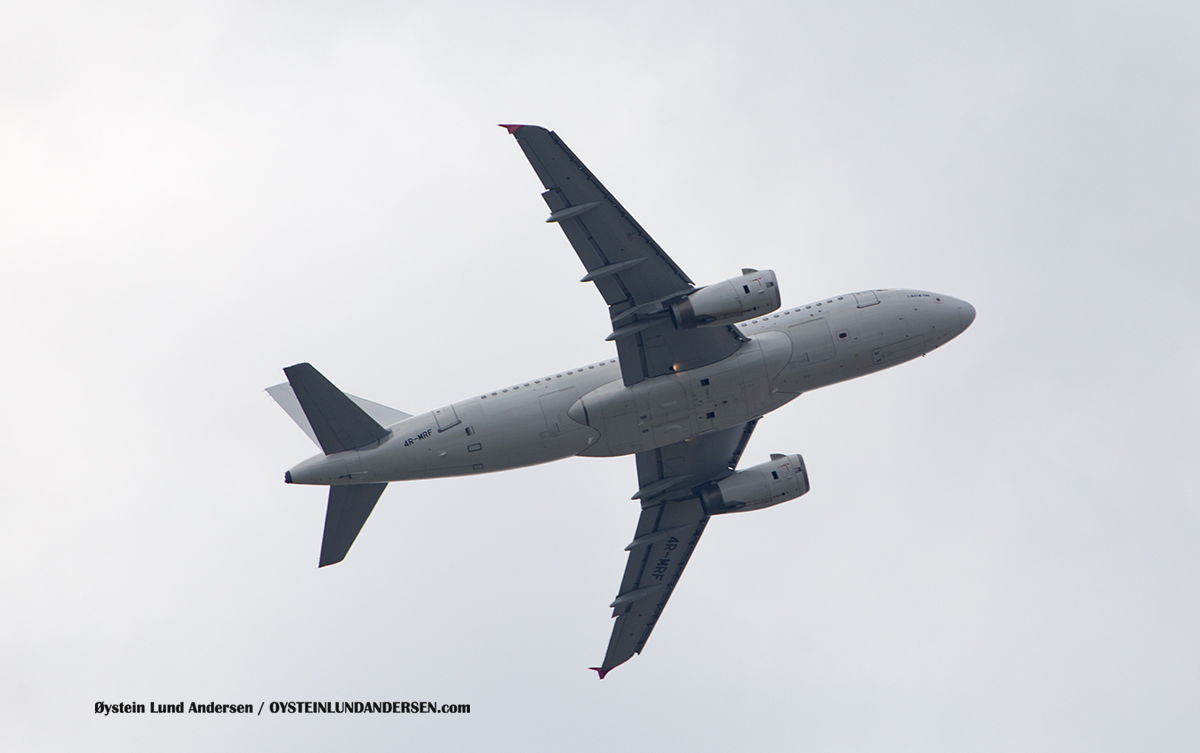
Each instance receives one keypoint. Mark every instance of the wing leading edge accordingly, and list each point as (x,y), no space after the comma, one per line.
(634,275)
(672,520)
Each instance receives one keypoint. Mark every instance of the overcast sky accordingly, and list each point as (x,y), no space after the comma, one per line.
(999,551)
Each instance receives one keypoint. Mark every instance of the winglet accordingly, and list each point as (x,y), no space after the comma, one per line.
(511,128)
(599,671)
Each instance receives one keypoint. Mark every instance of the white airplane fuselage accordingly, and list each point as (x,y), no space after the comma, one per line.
(589,411)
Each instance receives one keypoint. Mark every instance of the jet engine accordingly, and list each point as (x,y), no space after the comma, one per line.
(779,480)
(753,294)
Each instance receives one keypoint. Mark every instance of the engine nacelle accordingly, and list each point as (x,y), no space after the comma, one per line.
(779,480)
(753,294)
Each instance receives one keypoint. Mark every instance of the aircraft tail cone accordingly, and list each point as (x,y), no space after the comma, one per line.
(599,671)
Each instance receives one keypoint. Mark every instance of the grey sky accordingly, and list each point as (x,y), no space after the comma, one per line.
(999,550)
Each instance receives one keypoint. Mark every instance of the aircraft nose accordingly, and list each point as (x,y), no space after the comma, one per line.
(966,314)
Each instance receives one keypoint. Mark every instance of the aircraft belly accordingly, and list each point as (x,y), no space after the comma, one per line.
(612,410)
(664,410)
(899,351)
(508,430)
(540,421)
(847,342)
(666,414)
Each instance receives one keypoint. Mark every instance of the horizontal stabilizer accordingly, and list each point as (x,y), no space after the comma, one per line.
(349,507)
(283,395)
(337,421)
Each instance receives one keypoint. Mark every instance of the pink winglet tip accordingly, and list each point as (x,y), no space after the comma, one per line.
(511,128)
(601,672)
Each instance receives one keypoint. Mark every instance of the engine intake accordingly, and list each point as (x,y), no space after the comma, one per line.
(784,477)
(753,294)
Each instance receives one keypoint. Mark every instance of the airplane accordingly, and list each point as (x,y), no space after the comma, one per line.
(696,368)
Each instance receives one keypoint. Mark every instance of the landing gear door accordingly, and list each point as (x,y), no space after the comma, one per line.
(446,418)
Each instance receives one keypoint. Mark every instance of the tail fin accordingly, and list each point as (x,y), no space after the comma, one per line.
(334,420)
(348,510)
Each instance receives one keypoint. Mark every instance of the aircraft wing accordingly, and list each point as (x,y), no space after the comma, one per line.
(668,530)
(636,278)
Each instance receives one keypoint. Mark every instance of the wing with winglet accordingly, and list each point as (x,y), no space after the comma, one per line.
(634,275)
(672,520)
